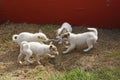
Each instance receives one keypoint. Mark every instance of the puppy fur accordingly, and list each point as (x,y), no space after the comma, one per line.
(30,48)
(80,39)
(65,25)
(30,37)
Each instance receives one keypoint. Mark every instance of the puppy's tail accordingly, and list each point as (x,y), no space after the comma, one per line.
(14,37)
(24,45)
(94,30)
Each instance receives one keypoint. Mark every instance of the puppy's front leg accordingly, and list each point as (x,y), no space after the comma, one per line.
(38,59)
(51,56)
(71,47)
(19,58)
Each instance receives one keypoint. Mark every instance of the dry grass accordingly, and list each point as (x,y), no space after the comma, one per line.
(106,53)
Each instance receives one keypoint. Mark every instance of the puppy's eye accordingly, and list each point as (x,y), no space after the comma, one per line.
(58,34)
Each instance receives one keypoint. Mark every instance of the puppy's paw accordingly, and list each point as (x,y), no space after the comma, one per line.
(30,62)
(20,62)
(85,50)
(65,52)
(52,56)
(39,63)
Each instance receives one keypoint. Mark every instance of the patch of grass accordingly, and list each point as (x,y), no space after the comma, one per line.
(113,54)
(35,72)
(75,74)
(106,74)
(5,37)
(5,41)
(6,76)
(79,74)
(48,27)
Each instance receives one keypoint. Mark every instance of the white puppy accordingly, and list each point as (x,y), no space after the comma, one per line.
(30,48)
(30,37)
(80,39)
(65,25)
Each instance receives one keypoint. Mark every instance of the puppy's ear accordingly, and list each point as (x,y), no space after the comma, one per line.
(50,47)
(40,30)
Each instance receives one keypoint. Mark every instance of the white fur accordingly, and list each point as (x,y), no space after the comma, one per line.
(66,26)
(80,39)
(30,37)
(30,48)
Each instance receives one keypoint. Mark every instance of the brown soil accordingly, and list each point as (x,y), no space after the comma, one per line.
(106,52)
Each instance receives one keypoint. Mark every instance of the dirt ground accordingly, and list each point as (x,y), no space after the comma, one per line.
(106,52)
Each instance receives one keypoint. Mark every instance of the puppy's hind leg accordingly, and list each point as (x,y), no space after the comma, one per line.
(90,45)
(28,55)
(51,56)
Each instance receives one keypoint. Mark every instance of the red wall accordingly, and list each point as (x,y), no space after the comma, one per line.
(99,13)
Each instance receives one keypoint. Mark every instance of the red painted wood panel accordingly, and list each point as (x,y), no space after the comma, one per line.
(99,13)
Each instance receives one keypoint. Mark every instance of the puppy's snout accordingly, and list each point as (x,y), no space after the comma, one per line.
(56,53)
(48,40)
